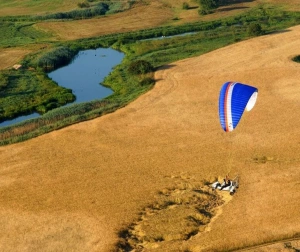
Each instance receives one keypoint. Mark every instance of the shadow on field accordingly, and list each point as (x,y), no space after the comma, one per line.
(231,8)
(193,7)
(224,8)
(278,32)
(165,67)
(237,2)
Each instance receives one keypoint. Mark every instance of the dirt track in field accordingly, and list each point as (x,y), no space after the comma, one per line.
(73,189)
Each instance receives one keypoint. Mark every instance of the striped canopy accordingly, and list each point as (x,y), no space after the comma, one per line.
(234,99)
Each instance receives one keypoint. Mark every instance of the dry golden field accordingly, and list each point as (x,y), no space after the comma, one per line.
(74,189)
(13,55)
(139,17)
(33,7)
(10,56)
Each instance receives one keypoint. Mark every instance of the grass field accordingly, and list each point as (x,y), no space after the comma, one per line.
(138,176)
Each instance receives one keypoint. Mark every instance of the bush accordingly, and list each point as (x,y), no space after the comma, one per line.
(83,5)
(255,29)
(208,5)
(204,12)
(140,67)
(147,81)
(3,81)
(185,6)
(297,59)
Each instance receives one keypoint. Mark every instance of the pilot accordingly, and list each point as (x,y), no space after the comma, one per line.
(226,183)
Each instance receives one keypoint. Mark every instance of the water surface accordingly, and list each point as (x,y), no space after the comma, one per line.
(84,76)
(86,72)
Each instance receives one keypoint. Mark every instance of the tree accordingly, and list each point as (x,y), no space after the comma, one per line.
(140,67)
(255,29)
(83,5)
(185,6)
(207,6)
(297,58)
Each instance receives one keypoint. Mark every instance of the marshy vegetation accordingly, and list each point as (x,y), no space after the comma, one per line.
(24,91)
(54,58)
(127,86)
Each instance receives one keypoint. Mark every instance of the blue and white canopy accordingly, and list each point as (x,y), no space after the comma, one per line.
(234,99)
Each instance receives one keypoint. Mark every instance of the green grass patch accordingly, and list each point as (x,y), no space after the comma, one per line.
(20,33)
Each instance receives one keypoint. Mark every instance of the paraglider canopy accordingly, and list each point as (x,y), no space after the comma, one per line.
(234,99)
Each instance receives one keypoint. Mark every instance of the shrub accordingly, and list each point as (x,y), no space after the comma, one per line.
(147,81)
(204,12)
(83,5)
(297,59)
(255,29)
(208,5)
(3,80)
(185,6)
(140,67)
